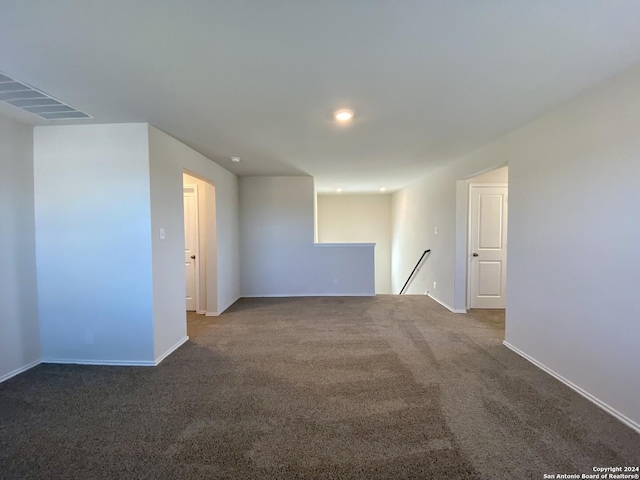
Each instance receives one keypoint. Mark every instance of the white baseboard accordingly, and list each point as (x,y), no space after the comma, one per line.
(171,350)
(610,410)
(18,371)
(107,363)
(302,295)
(222,308)
(212,314)
(114,363)
(451,309)
(201,312)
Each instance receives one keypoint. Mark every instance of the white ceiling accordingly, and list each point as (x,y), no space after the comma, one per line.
(429,80)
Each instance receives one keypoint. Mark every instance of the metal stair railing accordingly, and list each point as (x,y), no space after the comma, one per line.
(414,270)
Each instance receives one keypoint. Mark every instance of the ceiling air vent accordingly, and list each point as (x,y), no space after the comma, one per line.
(35,102)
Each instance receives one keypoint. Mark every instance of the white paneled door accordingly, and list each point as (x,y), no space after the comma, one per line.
(191,243)
(487,245)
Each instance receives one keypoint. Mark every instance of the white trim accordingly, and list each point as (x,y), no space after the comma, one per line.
(18,371)
(196,263)
(610,410)
(171,350)
(221,310)
(488,185)
(344,244)
(201,312)
(113,363)
(451,309)
(310,295)
(297,295)
(460,281)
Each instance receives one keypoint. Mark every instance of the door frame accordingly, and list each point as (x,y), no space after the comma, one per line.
(196,263)
(470,185)
(460,283)
(208,242)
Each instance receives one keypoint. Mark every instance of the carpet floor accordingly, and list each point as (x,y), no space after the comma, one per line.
(312,388)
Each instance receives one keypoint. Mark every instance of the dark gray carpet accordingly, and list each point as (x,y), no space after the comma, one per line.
(312,388)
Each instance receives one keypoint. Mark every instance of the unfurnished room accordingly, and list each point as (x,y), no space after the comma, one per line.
(359,239)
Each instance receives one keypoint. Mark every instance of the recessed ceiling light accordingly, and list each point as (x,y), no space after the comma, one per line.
(338,190)
(383,189)
(235,159)
(343,115)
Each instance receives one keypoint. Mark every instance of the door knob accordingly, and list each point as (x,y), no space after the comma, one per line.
(475,255)
(193,257)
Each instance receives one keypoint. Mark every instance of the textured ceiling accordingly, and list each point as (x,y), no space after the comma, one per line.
(429,80)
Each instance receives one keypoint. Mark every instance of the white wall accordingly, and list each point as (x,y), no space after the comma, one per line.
(110,290)
(169,159)
(167,215)
(417,211)
(498,175)
(92,243)
(278,256)
(19,329)
(439,200)
(359,219)
(572,287)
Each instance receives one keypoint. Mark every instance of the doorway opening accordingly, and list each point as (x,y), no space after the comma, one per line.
(481,240)
(200,240)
